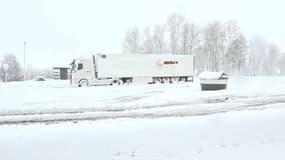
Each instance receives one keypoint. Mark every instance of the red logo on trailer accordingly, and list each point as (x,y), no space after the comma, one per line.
(167,62)
(170,62)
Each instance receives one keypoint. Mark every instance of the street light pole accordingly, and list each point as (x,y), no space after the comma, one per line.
(6,76)
(6,67)
(25,61)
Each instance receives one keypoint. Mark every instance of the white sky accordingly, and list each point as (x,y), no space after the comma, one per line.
(59,30)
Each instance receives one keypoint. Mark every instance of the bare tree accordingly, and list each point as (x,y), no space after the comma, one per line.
(258,48)
(281,64)
(251,61)
(189,37)
(201,59)
(14,71)
(272,58)
(132,40)
(232,33)
(158,38)
(236,56)
(213,44)
(147,41)
(175,22)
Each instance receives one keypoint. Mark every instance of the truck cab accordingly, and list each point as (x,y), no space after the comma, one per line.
(81,72)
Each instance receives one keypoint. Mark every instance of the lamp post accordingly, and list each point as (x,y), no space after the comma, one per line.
(6,67)
(25,61)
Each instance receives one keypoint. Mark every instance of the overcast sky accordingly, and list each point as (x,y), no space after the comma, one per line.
(56,31)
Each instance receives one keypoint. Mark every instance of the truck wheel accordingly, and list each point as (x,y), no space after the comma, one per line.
(117,82)
(128,81)
(83,83)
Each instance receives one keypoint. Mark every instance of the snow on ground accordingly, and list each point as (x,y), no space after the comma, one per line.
(239,135)
(153,122)
(59,95)
(56,100)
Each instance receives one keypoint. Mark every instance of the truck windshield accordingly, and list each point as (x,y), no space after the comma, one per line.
(80,66)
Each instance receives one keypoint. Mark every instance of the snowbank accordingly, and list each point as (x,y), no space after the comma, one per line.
(212,75)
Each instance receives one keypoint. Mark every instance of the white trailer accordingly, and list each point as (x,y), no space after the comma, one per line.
(110,69)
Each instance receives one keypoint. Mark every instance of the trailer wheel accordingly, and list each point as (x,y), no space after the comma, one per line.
(175,80)
(170,80)
(126,80)
(154,80)
(161,80)
(83,83)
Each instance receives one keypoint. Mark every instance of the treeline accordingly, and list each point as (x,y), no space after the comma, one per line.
(15,71)
(218,46)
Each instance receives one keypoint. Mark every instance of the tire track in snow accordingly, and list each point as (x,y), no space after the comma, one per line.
(66,110)
(258,104)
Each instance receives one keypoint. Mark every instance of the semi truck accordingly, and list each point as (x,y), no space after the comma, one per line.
(118,69)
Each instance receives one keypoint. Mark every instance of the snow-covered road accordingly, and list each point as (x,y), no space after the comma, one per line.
(173,110)
(153,122)
(56,101)
(246,135)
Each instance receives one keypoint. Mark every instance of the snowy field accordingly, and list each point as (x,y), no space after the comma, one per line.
(246,135)
(145,122)
(58,101)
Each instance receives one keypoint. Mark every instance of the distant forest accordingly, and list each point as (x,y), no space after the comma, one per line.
(217,46)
